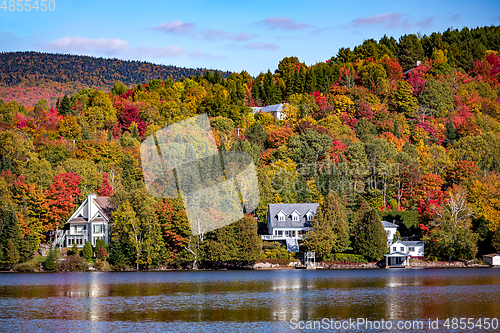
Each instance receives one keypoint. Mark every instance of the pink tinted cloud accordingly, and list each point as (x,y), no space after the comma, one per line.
(387,20)
(198,54)
(161,52)
(175,27)
(85,44)
(215,34)
(425,23)
(261,46)
(284,23)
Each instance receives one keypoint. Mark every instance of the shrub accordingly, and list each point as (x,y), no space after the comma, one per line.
(50,262)
(281,261)
(74,250)
(87,251)
(346,258)
(72,264)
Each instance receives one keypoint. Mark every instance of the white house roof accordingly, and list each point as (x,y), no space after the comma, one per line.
(397,254)
(272,108)
(389,225)
(288,209)
(412,243)
(491,255)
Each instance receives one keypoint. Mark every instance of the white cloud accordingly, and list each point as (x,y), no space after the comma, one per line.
(85,44)
(175,27)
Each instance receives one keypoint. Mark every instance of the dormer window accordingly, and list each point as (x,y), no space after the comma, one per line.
(295,216)
(309,216)
(281,216)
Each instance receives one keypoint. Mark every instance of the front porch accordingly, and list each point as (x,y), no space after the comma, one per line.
(396,259)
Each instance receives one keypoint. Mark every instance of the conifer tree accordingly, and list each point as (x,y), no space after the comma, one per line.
(87,251)
(50,262)
(370,237)
(65,106)
(330,230)
(451,133)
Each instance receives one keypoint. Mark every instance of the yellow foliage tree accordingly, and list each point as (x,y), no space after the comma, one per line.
(484,197)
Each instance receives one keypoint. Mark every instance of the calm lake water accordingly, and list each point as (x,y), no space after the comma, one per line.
(247,301)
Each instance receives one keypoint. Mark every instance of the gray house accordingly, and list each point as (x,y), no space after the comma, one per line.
(289,222)
(89,223)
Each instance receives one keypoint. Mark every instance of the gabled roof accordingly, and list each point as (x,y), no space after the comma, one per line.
(288,209)
(389,225)
(272,108)
(104,206)
(412,243)
(93,208)
(491,255)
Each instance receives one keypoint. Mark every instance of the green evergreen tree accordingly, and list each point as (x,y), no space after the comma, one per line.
(495,241)
(117,257)
(87,251)
(11,255)
(25,248)
(237,241)
(451,133)
(370,237)
(65,106)
(396,129)
(50,262)
(330,229)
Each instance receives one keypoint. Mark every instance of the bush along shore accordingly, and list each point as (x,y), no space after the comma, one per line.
(76,260)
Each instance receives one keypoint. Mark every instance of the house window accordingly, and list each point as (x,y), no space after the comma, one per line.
(411,249)
(388,234)
(70,241)
(281,217)
(98,228)
(295,217)
(402,249)
(79,241)
(80,229)
(394,249)
(280,233)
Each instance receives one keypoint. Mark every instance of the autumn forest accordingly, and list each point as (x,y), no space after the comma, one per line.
(405,130)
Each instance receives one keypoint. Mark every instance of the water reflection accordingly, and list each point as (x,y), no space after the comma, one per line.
(240,300)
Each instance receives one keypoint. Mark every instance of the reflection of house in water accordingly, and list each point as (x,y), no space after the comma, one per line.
(287,300)
(396,293)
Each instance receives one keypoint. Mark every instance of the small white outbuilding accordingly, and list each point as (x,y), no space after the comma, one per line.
(493,259)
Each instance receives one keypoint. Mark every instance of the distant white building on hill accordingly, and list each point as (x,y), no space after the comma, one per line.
(276,110)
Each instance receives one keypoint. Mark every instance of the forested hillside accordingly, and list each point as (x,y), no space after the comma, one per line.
(27,75)
(367,133)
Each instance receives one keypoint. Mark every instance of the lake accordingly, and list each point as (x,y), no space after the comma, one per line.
(251,301)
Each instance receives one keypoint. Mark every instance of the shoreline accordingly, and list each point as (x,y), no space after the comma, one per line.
(269,266)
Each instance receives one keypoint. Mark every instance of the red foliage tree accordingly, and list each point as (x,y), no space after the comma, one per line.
(105,189)
(61,196)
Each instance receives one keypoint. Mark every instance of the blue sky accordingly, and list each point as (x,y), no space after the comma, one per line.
(227,35)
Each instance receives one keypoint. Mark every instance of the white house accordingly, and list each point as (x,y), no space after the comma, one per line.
(401,251)
(390,230)
(276,110)
(89,222)
(289,222)
(493,259)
